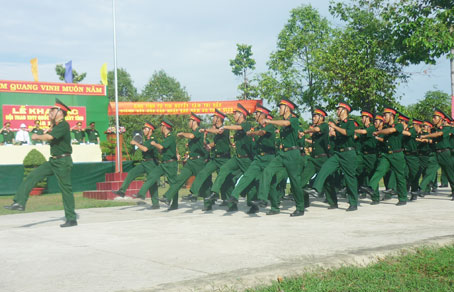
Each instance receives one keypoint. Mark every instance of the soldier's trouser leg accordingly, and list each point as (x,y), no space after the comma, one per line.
(252,173)
(62,169)
(268,173)
(136,171)
(444,178)
(430,174)
(294,174)
(382,169)
(281,180)
(397,160)
(446,164)
(227,169)
(188,170)
(360,170)
(202,176)
(413,171)
(328,168)
(22,193)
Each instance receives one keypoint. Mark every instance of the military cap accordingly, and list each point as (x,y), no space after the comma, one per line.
(288,103)
(417,122)
(166,123)
(367,114)
(345,106)
(389,110)
(260,108)
(440,113)
(60,105)
(149,125)
(403,117)
(240,108)
(379,117)
(319,111)
(194,117)
(219,114)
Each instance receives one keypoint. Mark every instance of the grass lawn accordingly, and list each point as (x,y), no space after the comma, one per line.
(426,269)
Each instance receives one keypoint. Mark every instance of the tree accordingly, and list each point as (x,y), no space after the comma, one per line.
(60,70)
(294,65)
(126,89)
(423,109)
(359,65)
(240,66)
(422,30)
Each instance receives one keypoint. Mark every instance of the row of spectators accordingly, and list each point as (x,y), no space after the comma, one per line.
(22,136)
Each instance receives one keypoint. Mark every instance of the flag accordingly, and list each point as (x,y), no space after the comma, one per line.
(69,72)
(34,63)
(104,74)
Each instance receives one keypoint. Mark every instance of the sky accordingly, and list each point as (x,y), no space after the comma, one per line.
(191,41)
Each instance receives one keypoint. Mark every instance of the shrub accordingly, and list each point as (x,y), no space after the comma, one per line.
(32,160)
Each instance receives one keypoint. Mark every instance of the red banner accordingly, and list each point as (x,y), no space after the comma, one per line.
(52,88)
(28,114)
(180,108)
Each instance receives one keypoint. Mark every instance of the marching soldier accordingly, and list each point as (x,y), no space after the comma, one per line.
(440,137)
(368,150)
(221,154)
(148,165)
(196,161)
(265,152)
(428,160)
(344,158)
(59,164)
(286,158)
(244,153)
(393,159)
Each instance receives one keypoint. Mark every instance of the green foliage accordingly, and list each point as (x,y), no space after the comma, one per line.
(423,109)
(137,156)
(294,65)
(427,269)
(240,65)
(422,30)
(107,148)
(126,89)
(60,70)
(32,160)
(359,65)
(162,87)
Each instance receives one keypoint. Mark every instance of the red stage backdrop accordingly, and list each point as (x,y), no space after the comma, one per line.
(52,88)
(28,114)
(180,108)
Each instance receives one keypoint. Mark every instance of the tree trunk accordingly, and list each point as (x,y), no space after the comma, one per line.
(452,83)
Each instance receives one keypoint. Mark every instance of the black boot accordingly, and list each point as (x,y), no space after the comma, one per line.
(15,206)
(69,223)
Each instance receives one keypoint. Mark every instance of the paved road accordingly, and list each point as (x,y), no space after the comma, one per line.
(135,249)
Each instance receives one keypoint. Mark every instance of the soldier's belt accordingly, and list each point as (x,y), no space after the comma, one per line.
(227,155)
(321,155)
(60,156)
(424,153)
(194,157)
(290,148)
(395,151)
(442,150)
(410,153)
(266,153)
(346,149)
(369,152)
(168,161)
(242,156)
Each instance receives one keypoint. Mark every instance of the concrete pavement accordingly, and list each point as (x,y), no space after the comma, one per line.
(135,249)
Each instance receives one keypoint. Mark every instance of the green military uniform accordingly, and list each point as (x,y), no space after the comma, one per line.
(196,161)
(168,167)
(148,166)
(8,136)
(368,156)
(264,152)
(411,159)
(344,158)
(393,159)
(36,131)
(92,135)
(286,158)
(237,164)
(79,135)
(219,156)
(59,164)
(428,164)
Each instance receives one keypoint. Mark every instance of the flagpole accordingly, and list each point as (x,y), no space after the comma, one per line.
(117,126)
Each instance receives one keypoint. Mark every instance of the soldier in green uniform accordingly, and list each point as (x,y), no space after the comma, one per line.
(7,134)
(411,156)
(220,148)
(196,161)
(428,160)
(344,158)
(59,164)
(148,165)
(92,134)
(79,133)
(367,150)
(242,159)
(392,159)
(36,130)
(288,158)
(440,137)
(264,152)
(168,165)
